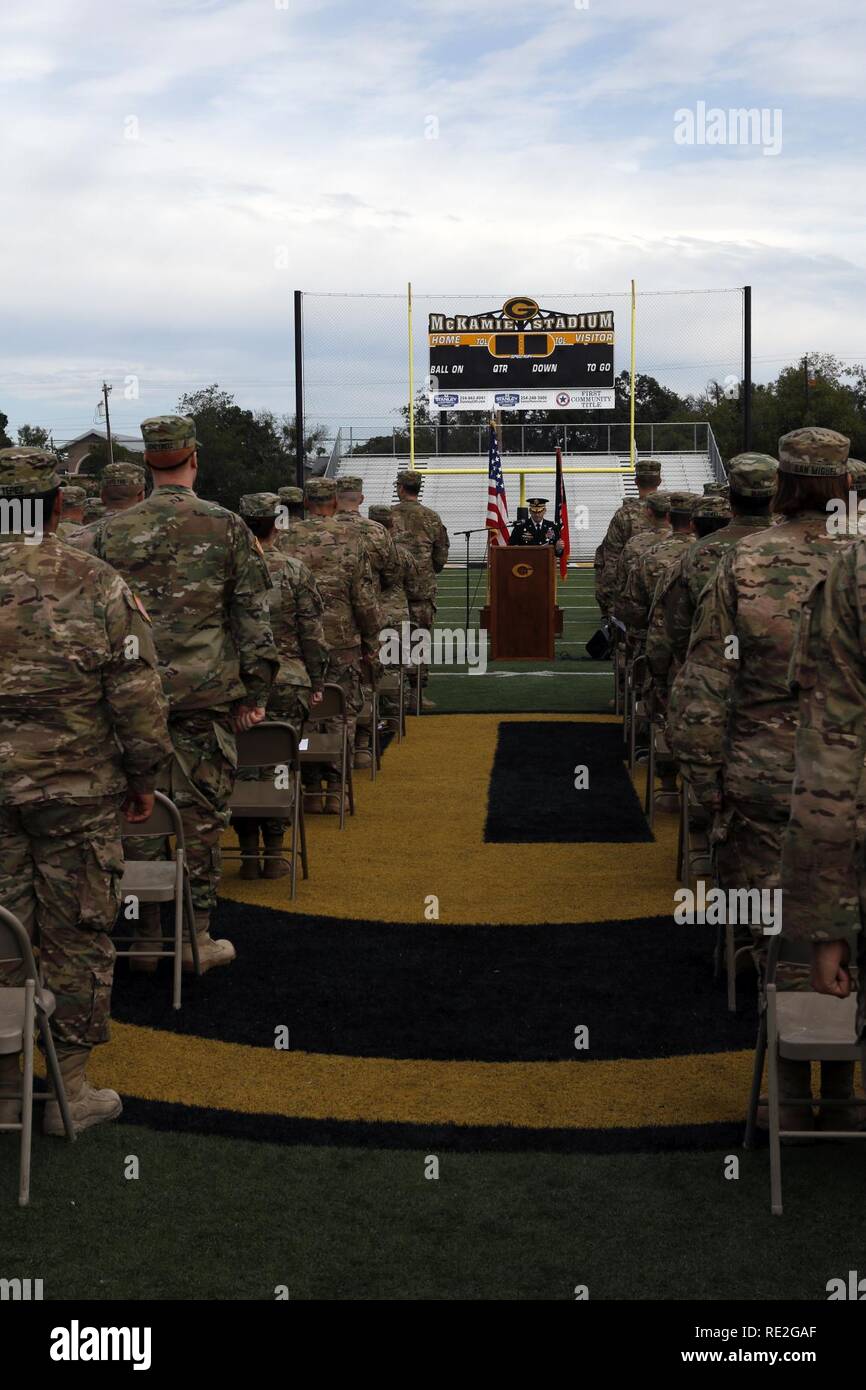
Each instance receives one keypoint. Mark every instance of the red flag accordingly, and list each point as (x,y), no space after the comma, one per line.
(560,516)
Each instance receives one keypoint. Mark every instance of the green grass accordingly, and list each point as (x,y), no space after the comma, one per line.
(573,683)
(215,1218)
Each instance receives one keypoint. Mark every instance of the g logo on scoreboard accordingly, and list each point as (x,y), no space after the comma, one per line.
(520,306)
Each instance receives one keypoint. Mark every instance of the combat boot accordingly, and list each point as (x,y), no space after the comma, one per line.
(275,865)
(312,800)
(247,832)
(86,1106)
(210,952)
(10,1076)
(668,798)
(837,1083)
(332,803)
(148,931)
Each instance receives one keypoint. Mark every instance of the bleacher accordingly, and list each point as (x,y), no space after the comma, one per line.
(461,499)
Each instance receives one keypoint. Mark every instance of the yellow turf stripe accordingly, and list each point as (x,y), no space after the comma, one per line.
(692,1090)
(419,830)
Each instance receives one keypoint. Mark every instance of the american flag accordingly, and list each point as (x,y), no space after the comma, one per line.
(497,502)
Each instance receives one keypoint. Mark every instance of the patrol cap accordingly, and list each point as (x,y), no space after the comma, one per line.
(122,479)
(291,496)
(166,436)
(715,489)
(410,478)
(659,503)
(350,483)
(259,504)
(383,515)
(814,453)
(319,489)
(857,469)
(682,501)
(753,475)
(94,509)
(714,504)
(537,501)
(647,470)
(25,470)
(74,496)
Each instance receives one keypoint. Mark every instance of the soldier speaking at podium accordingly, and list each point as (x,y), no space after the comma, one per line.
(535,529)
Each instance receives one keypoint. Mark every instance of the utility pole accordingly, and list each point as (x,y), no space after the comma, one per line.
(805,390)
(747,368)
(105,391)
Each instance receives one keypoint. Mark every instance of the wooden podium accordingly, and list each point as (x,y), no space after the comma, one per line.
(522,615)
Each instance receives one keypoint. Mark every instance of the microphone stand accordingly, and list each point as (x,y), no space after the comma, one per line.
(474,532)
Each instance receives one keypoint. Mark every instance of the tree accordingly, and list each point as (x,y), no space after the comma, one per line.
(5,441)
(33,436)
(239,451)
(97,457)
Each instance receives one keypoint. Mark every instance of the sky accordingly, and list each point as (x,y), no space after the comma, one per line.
(170,173)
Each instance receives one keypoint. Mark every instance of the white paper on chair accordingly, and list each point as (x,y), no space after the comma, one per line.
(303,745)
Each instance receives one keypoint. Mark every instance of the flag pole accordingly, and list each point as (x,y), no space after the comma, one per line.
(631,378)
(411,381)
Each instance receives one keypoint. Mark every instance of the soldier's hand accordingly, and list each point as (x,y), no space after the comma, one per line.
(316,697)
(137,806)
(559,547)
(245,716)
(830,973)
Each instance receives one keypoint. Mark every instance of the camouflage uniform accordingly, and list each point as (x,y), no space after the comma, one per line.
(650,569)
(657,508)
(732,717)
(295,607)
(395,602)
(120,482)
(82,721)
(824,849)
(753,475)
(94,510)
(630,518)
(421,531)
(204,583)
(73,498)
(341,570)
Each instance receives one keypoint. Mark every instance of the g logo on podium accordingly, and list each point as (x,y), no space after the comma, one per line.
(522,570)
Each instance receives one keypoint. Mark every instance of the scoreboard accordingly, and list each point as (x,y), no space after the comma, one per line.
(521,357)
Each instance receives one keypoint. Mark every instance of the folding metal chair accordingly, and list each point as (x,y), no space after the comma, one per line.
(618,677)
(327,748)
(393,683)
(369,719)
(632,713)
(162,881)
(803,1026)
(23,1008)
(272,743)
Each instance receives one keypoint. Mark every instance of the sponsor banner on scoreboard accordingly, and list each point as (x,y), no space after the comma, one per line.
(522,400)
(521,357)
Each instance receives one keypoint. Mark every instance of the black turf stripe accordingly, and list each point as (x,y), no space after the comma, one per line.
(532,796)
(426,990)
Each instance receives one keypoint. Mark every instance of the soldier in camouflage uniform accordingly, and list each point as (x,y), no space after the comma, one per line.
(710,514)
(291,501)
(296,608)
(94,510)
(422,532)
(338,562)
(201,576)
(651,566)
(824,848)
(395,603)
(733,718)
(384,565)
(627,520)
(83,736)
(122,486)
(752,484)
(72,511)
(657,528)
